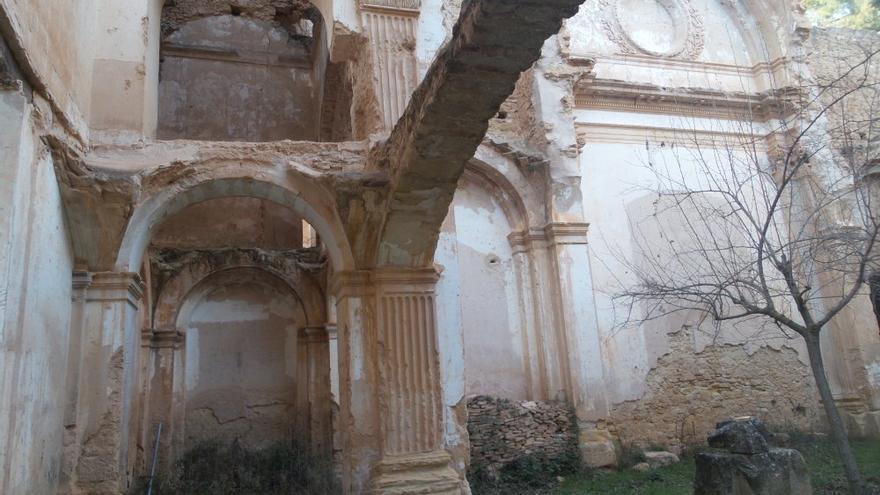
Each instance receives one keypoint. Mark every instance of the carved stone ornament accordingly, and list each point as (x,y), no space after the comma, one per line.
(660,28)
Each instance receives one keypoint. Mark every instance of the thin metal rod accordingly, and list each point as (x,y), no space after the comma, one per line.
(155,459)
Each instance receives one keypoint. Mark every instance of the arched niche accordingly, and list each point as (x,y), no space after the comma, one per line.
(241,329)
(487,277)
(252,363)
(241,71)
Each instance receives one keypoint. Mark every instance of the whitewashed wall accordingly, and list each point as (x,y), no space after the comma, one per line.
(35,301)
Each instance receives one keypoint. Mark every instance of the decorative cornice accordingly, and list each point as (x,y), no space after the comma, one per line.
(552,234)
(81,280)
(567,233)
(236,56)
(418,279)
(664,136)
(620,96)
(163,338)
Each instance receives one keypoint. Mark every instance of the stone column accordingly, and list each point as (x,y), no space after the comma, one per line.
(72,431)
(391,392)
(107,382)
(851,345)
(162,399)
(391,28)
(577,314)
(314,362)
(569,361)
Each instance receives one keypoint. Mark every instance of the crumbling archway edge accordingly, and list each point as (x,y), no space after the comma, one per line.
(448,116)
(303,196)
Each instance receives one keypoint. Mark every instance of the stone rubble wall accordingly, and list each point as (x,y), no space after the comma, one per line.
(687,392)
(502,431)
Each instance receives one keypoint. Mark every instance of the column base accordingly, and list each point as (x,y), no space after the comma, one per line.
(597,448)
(411,474)
(862,424)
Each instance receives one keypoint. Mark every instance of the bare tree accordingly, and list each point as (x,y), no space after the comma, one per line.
(767,219)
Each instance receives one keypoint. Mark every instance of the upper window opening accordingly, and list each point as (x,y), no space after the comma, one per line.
(247,71)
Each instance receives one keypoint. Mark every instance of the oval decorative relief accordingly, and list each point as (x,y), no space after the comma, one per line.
(661,28)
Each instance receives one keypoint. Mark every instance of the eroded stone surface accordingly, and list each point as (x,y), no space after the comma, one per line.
(492,43)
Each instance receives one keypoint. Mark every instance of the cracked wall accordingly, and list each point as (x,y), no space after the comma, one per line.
(241,365)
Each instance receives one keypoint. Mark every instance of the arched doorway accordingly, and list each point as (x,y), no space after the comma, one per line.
(235,342)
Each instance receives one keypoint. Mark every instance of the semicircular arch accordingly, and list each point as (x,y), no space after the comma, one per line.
(206,181)
(179,288)
(235,274)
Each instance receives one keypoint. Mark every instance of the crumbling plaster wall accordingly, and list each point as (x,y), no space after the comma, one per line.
(689,390)
(266,91)
(288,379)
(124,87)
(618,140)
(615,177)
(487,296)
(35,300)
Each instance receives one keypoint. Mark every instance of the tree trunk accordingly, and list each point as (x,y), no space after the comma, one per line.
(838,432)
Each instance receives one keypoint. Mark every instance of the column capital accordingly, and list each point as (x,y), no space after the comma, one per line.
(368,282)
(313,334)
(567,233)
(163,337)
(81,280)
(116,286)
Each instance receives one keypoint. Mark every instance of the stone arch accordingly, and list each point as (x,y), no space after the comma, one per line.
(309,200)
(214,279)
(180,287)
(497,185)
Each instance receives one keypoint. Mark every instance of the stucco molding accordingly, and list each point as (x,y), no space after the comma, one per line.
(688,37)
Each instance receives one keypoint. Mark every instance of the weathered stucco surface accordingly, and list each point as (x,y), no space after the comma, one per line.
(339,221)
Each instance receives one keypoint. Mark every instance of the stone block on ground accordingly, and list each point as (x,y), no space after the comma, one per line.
(660,459)
(742,463)
(597,449)
(776,472)
(746,435)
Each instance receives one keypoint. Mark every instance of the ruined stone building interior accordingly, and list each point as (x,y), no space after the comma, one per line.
(339,220)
